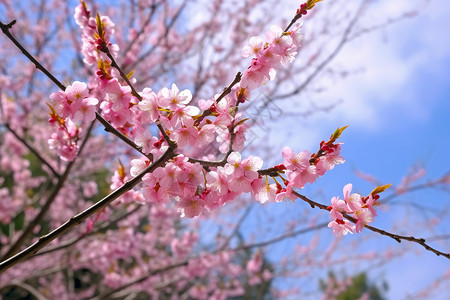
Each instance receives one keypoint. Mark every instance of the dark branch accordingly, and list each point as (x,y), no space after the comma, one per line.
(396,237)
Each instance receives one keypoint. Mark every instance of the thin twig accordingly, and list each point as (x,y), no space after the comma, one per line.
(101,228)
(281,237)
(236,227)
(5,29)
(396,237)
(111,129)
(122,73)
(33,150)
(30,289)
(141,279)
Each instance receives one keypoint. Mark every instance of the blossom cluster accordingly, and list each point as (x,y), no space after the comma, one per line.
(68,107)
(89,38)
(195,189)
(362,209)
(280,47)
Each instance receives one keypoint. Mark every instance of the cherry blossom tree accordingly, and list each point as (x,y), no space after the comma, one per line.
(126,166)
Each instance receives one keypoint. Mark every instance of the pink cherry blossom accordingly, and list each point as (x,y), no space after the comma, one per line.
(279,42)
(137,165)
(285,194)
(118,95)
(149,105)
(187,134)
(370,203)
(242,173)
(206,134)
(254,265)
(294,161)
(191,207)
(217,181)
(256,45)
(353,200)
(86,111)
(256,75)
(299,169)
(76,91)
(364,217)
(173,98)
(145,140)
(296,35)
(248,167)
(341,229)
(338,207)
(264,192)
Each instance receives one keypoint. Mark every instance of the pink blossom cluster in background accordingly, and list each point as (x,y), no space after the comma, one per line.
(280,48)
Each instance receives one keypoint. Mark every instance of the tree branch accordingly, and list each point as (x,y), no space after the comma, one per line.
(75,240)
(44,209)
(33,150)
(77,219)
(396,237)
(5,28)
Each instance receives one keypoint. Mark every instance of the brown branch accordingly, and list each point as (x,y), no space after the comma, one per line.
(111,129)
(75,240)
(295,19)
(273,172)
(281,237)
(44,209)
(236,227)
(396,237)
(165,135)
(5,28)
(227,90)
(141,279)
(327,60)
(33,150)
(122,73)
(79,218)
